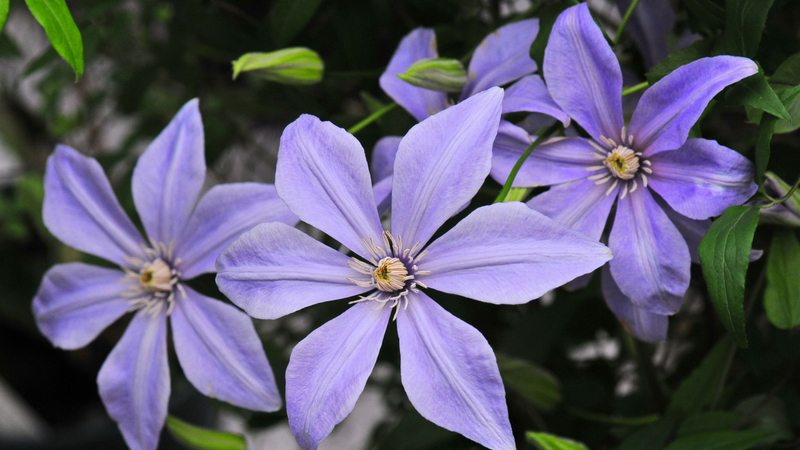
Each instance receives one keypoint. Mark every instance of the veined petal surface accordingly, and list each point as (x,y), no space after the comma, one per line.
(531,95)
(641,323)
(580,204)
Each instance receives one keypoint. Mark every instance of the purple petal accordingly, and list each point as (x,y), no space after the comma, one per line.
(669,108)
(329,369)
(691,230)
(583,74)
(322,176)
(383,156)
(382,190)
(644,325)
(556,161)
(450,374)
(274,269)
(702,178)
(223,214)
(77,301)
(441,164)
(508,253)
(531,95)
(421,103)
(648,27)
(169,175)
(502,57)
(580,204)
(80,208)
(651,259)
(220,353)
(134,381)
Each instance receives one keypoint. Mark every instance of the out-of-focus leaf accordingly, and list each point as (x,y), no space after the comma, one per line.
(297,65)
(721,440)
(699,49)
(547,18)
(414,432)
(54,16)
(782,295)
(724,255)
(289,17)
(544,441)
(710,13)
(3,13)
(535,384)
(203,439)
(754,91)
(699,388)
(770,414)
(705,422)
(744,24)
(654,436)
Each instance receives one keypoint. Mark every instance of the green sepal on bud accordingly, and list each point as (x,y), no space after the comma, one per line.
(297,65)
(786,213)
(436,74)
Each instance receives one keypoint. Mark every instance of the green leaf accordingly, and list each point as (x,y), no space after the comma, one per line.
(3,13)
(744,24)
(710,13)
(784,82)
(532,382)
(724,255)
(763,139)
(289,17)
(203,439)
(298,66)
(754,91)
(705,422)
(654,436)
(721,440)
(699,49)
(782,295)
(547,18)
(54,16)
(544,441)
(699,388)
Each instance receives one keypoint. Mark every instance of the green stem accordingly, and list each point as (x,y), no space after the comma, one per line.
(624,21)
(507,186)
(636,88)
(612,420)
(784,198)
(371,118)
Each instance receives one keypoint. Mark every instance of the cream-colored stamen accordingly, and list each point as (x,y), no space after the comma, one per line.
(390,275)
(153,282)
(622,162)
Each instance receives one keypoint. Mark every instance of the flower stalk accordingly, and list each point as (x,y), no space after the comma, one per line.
(507,186)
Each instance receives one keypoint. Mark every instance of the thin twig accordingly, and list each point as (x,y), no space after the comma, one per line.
(624,21)
(511,176)
(371,118)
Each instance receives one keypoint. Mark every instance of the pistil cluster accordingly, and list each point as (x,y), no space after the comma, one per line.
(620,162)
(154,281)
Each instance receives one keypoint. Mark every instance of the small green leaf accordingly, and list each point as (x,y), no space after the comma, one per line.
(54,16)
(782,295)
(784,82)
(754,91)
(698,389)
(297,65)
(436,74)
(721,440)
(535,384)
(289,17)
(203,439)
(3,13)
(724,255)
(544,441)
(763,139)
(699,49)
(547,19)
(744,24)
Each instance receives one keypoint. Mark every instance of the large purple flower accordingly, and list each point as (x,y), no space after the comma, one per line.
(216,344)
(502,254)
(666,186)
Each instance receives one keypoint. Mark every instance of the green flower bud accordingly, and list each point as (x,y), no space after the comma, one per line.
(297,65)
(436,74)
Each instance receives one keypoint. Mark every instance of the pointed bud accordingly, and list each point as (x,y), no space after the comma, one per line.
(297,65)
(786,213)
(436,74)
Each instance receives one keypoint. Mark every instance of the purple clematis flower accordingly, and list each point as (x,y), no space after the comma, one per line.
(502,254)
(665,185)
(216,344)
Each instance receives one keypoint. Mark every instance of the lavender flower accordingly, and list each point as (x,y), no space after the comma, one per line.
(502,254)
(216,344)
(666,186)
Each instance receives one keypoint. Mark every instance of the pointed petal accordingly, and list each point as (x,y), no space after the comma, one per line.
(531,95)
(450,374)
(441,164)
(669,108)
(583,74)
(419,102)
(274,269)
(77,301)
(556,161)
(329,369)
(383,156)
(508,253)
(80,208)
(691,230)
(580,204)
(644,325)
(220,353)
(651,259)
(702,178)
(169,175)
(222,215)
(134,381)
(502,57)
(382,190)
(322,176)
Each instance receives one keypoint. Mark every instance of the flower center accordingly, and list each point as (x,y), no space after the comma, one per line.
(153,281)
(390,275)
(620,163)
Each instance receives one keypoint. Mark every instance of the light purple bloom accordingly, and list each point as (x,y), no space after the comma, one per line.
(216,344)
(665,185)
(503,254)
